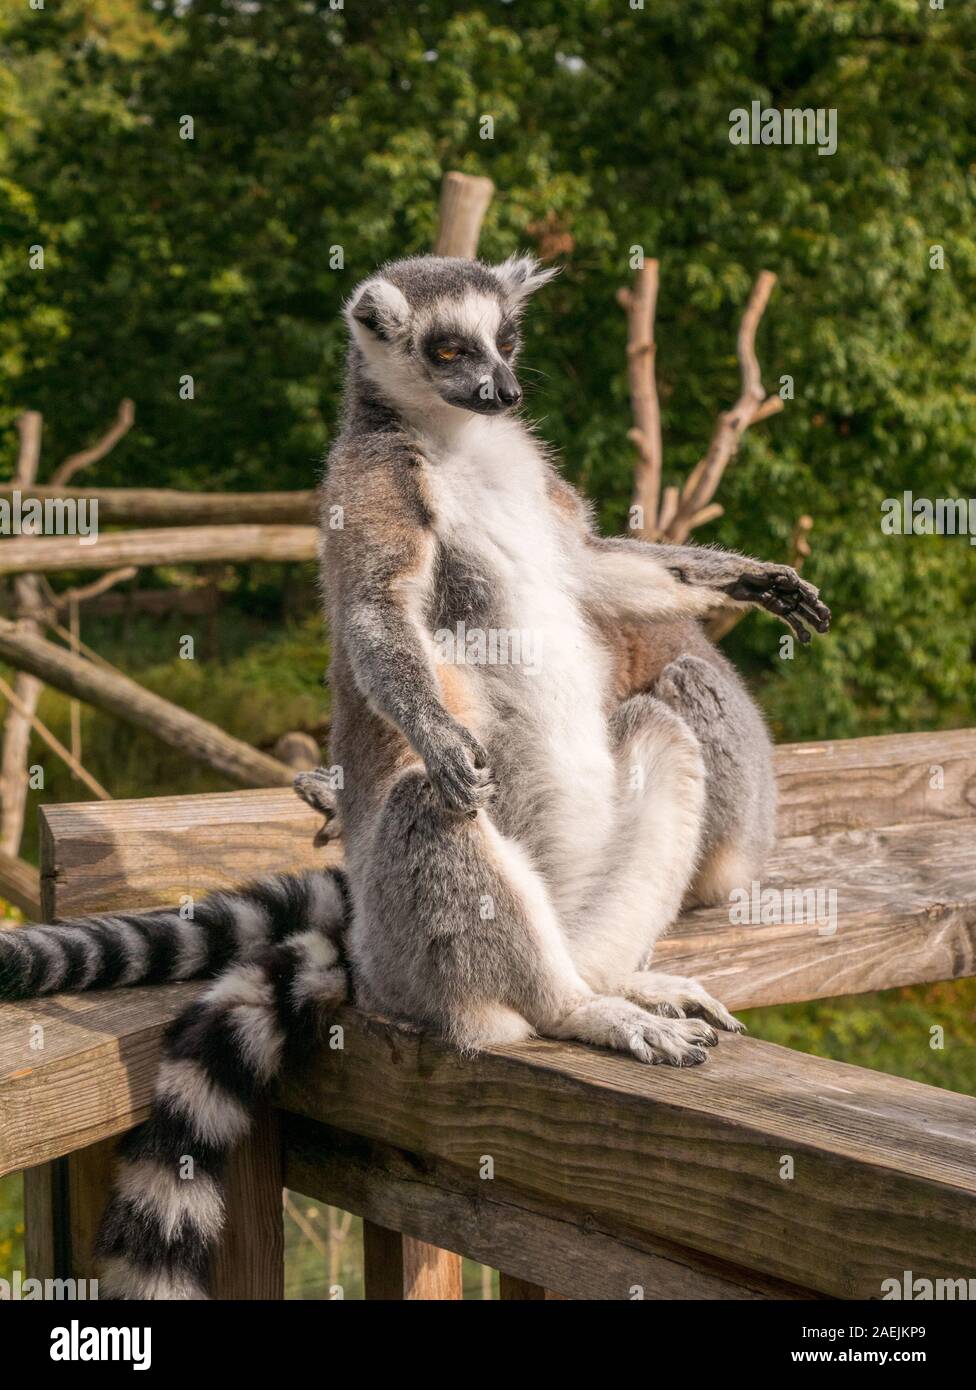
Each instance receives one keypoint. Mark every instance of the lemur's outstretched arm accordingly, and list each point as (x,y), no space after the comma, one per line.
(382,583)
(642,579)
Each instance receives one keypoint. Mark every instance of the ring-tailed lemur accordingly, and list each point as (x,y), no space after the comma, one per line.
(518,832)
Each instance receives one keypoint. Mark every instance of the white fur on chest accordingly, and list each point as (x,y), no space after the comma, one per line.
(489,502)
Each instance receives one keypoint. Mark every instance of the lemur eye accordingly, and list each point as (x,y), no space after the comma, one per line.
(507,348)
(446,354)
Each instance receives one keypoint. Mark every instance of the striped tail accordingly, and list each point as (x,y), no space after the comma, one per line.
(152,947)
(166,1210)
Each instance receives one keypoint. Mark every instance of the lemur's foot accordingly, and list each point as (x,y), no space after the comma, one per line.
(780,590)
(620,1024)
(317,790)
(675,996)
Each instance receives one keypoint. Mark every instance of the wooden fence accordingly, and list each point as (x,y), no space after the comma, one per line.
(767,1173)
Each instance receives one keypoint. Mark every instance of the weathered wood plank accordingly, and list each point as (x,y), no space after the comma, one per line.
(147,853)
(168,545)
(892,779)
(398,1267)
(905,905)
(883,1170)
(532,1239)
(170,507)
(63,1204)
(75,1069)
(905,896)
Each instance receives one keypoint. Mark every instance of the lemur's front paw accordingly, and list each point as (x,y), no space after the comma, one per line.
(780,590)
(457,766)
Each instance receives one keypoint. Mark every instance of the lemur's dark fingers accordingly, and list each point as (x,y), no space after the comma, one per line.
(816,614)
(794,622)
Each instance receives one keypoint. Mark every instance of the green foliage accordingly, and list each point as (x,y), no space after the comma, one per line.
(317,128)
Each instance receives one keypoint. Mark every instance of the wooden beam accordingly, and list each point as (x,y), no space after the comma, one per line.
(904,899)
(77,1069)
(904,896)
(169,507)
(534,1240)
(143,852)
(115,693)
(891,779)
(63,1204)
(398,1267)
(177,545)
(20,884)
(149,852)
(522,1291)
(824,1175)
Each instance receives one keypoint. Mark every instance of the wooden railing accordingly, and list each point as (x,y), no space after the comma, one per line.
(767,1173)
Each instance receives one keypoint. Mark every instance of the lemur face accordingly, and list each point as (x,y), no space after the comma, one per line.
(435,330)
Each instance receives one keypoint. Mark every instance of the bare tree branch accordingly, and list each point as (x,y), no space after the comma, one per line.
(702,483)
(640,305)
(85,457)
(93,590)
(54,743)
(110,690)
(176,545)
(28,603)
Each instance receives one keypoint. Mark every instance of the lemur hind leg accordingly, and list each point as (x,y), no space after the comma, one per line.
(662,815)
(454,928)
(654,851)
(740,787)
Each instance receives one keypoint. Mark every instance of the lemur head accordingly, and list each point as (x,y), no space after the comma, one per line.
(435,330)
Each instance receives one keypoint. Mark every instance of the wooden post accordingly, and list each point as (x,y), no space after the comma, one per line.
(397,1267)
(63,1204)
(250,1260)
(464,202)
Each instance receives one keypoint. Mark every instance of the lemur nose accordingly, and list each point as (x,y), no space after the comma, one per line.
(509,393)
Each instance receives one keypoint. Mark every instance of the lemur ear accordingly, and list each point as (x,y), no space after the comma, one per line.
(521,276)
(377,309)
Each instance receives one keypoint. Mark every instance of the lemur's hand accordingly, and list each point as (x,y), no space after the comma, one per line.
(780,590)
(457,766)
